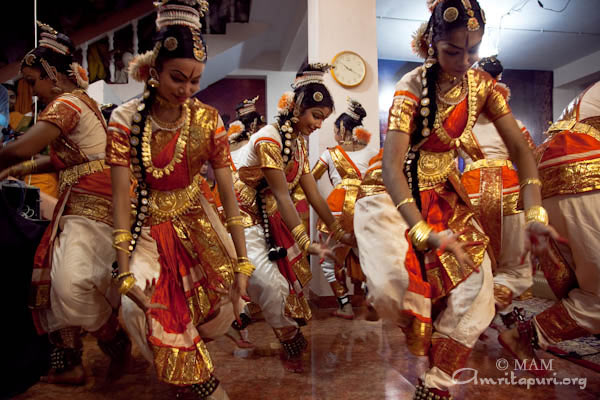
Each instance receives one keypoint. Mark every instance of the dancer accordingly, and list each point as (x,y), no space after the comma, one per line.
(569,165)
(271,166)
(182,282)
(438,285)
(71,281)
(345,164)
(492,184)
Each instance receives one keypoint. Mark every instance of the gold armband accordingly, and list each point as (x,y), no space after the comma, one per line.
(121,249)
(405,201)
(127,284)
(419,234)
(536,214)
(238,220)
(122,238)
(531,181)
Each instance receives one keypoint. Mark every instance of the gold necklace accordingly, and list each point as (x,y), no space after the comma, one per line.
(177,154)
(450,97)
(438,125)
(168,126)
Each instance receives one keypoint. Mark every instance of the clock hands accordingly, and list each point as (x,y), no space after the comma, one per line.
(350,69)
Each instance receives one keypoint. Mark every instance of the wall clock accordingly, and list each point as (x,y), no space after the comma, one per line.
(349,69)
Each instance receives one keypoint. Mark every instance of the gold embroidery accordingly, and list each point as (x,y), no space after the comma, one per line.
(490,207)
(182,367)
(269,155)
(557,324)
(70,176)
(502,295)
(297,307)
(448,354)
(418,337)
(91,206)
(402,115)
(488,163)
(578,177)
(561,278)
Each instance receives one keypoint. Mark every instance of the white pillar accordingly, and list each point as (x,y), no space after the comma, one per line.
(335,26)
(136,40)
(111,47)
(84,55)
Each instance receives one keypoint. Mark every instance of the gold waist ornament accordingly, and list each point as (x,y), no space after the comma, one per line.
(164,206)
(434,168)
(488,163)
(70,176)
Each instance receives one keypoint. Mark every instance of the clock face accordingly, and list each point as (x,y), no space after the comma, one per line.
(349,69)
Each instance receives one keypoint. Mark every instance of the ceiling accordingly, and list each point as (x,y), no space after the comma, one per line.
(531,37)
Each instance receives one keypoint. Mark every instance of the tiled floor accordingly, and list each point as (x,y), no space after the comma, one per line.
(348,360)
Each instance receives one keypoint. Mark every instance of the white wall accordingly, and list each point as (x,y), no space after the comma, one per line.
(335,26)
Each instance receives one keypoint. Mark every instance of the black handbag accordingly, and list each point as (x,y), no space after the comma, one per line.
(23,198)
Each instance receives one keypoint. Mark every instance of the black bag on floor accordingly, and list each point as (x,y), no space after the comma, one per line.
(26,354)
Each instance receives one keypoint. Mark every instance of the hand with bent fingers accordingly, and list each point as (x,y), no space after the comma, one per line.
(449,242)
(537,240)
(143,297)
(237,291)
(324,250)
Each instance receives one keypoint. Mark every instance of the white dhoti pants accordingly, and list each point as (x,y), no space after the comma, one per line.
(267,287)
(380,233)
(577,219)
(82,293)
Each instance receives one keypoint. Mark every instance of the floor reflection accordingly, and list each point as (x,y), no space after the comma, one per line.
(347,360)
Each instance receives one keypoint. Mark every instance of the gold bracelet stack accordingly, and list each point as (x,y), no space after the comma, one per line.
(301,237)
(536,214)
(244,266)
(419,234)
(405,201)
(531,181)
(238,220)
(121,236)
(337,230)
(24,168)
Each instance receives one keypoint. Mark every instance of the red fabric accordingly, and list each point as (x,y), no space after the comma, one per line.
(174,262)
(569,143)
(454,125)
(179,178)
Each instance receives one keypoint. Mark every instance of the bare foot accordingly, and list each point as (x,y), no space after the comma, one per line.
(511,341)
(73,376)
(345,312)
(218,394)
(295,364)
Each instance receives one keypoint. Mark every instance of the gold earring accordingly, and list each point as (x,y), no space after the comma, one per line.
(154,83)
(56,90)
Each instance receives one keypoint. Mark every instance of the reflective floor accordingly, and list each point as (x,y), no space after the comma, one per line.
(348,360)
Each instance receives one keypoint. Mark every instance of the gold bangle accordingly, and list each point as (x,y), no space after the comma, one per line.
(123,275)
(245,268)
(303,243)
(419,234)
(234,223)
(536,214)
(122,238)
(243,259)
(531,181)
(405,201)
(121,249)
(127,284)
(115,231)
(298,231)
